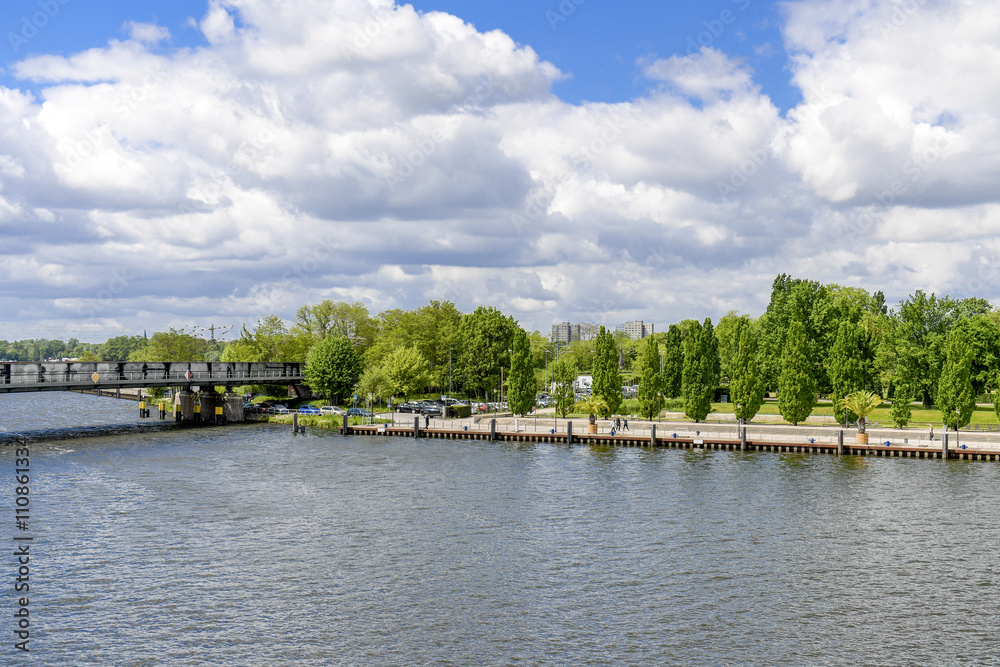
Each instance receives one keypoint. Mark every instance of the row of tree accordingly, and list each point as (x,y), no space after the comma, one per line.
(812,340)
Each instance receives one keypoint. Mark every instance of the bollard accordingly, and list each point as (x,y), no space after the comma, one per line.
(840,443)
(652,436)
(197,412)
(295,423)
(944,445)
(218,414)
(416,427)
(743,439)
(493,429)
(345,429)
(142,410)
(163,411)
(569,433)
(177,412)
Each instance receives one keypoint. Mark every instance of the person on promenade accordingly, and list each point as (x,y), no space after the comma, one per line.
(618,424)
(427,420)
(625,423)
(931,433)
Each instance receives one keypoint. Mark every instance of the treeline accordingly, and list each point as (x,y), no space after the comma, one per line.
(813,340)
(41,349)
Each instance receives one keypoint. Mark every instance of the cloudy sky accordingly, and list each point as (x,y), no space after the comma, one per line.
(189,163)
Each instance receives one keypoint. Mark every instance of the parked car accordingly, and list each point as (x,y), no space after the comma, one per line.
(308,410)
(358,412)
(431,409)
(278,410)
(333,410)
(410,406)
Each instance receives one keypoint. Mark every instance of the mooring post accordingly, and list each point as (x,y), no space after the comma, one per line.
(295,423)
(142,406)
(493,430)
(163,411)
(944,446)
(345,424)
(416,427)
(652,436)
(840,442)
(569,433)
(743,438)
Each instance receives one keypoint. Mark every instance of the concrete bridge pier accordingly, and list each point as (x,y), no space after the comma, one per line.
(185,399)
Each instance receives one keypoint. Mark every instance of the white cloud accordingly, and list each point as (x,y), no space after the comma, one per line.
(362,150)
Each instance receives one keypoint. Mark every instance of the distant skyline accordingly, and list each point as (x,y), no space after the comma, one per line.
(195,163)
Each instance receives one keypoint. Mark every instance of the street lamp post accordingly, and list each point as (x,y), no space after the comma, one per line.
(958,414)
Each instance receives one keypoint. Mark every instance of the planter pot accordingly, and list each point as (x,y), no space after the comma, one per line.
(862,438)
(591,428)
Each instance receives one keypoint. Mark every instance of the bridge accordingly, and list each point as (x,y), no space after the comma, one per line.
(76,375)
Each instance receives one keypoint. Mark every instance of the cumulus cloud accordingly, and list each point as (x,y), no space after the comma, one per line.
(362,150)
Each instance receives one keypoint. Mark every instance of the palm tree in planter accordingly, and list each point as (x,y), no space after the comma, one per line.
(594,405)
(861,403)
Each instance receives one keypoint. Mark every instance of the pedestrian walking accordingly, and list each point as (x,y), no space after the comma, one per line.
(618,424)
(625,423)
(931,432)
(427,420)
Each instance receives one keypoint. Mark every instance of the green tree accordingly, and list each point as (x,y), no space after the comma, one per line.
(374,383)
(405,370)
(172,345)
(901,411)
(120,347)
(563,373)
(700,371)
(649,378)
(673,362)
(333,367)
(607,377)
(746,386)
(486,335)
(521,395)
(796,383)
(845,366)
(955,396)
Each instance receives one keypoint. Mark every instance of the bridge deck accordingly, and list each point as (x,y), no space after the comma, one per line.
(73,375)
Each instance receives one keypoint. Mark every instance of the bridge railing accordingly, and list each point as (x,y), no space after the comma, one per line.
(78,373)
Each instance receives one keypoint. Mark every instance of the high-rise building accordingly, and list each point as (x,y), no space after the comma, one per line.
(565,332)
(636,330)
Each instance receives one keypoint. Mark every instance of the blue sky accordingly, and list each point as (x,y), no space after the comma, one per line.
(177,164)
(596,44)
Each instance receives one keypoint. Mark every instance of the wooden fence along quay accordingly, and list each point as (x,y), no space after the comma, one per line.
(832,441)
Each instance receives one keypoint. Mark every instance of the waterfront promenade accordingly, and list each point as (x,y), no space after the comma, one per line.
(913,442)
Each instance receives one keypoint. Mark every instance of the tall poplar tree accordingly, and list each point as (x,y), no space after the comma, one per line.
(649,378)
(522,376)
(796,383)
(700,370)
(955,397)
(564,373)
(746,384)
(673,362)
(607,377)
(845,366)
(901,411)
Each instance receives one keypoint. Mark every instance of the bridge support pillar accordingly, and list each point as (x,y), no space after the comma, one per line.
(184,399)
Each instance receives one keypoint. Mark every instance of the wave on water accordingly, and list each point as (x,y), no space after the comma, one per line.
(8,438)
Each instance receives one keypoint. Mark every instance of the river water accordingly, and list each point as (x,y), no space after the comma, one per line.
(250,545)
